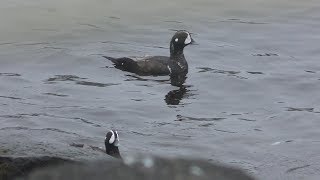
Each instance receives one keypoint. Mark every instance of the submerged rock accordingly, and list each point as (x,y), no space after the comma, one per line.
(138,168)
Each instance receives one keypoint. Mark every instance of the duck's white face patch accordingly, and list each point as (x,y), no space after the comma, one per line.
(188,39)
(112,138)
(176,40)
(116,143)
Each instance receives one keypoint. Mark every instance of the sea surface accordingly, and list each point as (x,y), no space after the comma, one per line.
(251,99)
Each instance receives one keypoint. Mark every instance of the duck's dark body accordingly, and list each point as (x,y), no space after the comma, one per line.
(153,65)
(158,65)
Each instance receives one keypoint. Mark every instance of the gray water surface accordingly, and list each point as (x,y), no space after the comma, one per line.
(251,99)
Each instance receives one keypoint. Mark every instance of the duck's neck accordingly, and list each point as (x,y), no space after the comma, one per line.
(177,61)
(114,152)
(176,52)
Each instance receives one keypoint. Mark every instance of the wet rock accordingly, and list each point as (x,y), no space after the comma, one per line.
(139,168)
(11,167)
(31,142)
(38,154)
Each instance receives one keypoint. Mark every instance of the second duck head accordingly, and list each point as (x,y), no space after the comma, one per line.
(112,142)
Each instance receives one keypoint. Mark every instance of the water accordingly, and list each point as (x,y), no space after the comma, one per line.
(251,99)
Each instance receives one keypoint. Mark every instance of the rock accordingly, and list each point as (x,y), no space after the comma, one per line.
(26,142)
(38,154)
(18,166)
(139,168)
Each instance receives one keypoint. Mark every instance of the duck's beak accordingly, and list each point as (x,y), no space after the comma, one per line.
(193,42)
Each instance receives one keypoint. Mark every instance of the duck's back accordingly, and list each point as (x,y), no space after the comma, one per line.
(148,65)
(154,65)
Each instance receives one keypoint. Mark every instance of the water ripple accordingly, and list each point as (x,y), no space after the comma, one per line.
(78,80)
(54,94)
(22,115)
(235,20)
(11,97)
(10,74)
(300,109)
(186,118)
(219,71)
(40,129)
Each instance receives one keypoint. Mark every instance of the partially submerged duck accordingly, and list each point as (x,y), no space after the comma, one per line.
(111,143)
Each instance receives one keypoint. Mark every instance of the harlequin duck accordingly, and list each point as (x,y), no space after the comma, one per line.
(159,65)
(112,142)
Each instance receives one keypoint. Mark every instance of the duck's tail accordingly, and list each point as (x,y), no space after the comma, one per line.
(124,63)
(114,60)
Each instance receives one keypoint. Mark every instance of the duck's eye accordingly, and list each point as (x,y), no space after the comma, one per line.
(176,40)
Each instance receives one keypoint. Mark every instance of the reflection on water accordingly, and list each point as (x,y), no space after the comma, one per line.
(178,79)
(174,97)
(133,77)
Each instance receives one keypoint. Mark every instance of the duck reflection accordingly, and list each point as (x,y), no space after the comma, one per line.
(178,79)
(175,96)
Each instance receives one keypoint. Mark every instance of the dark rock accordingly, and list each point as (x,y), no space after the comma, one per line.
(139,168)
(11,167)
(30,153)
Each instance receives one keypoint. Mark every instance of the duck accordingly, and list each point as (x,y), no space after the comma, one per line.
(176,63)
(111,144)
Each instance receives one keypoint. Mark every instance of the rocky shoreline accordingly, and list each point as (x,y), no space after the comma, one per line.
(34,154)
(132,167)
(11,167)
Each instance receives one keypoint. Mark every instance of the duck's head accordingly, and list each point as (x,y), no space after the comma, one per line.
(180,40)
(112,142)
